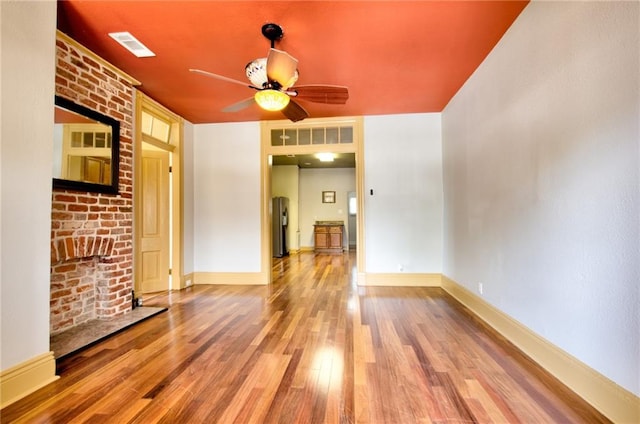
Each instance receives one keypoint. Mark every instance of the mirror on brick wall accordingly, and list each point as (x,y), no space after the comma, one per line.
(86,149)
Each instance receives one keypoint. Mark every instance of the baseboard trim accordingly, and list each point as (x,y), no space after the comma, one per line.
(613,401)
(27,377)
(230,278)
(187,280)
(312,249)
(401,280)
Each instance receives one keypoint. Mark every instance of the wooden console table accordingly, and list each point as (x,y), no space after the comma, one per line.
(328,236)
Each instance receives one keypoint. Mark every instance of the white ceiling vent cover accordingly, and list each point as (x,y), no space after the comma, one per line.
(132,44)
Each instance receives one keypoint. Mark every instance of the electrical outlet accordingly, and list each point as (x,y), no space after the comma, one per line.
(480,288)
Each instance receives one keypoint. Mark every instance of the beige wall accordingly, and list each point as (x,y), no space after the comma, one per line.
(403,216)
(284,183)
(542,181)
(28,49)
(312,183)
(28,44)
(227,221)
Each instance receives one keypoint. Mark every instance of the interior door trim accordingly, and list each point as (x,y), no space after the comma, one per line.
(176,147)
(267,150)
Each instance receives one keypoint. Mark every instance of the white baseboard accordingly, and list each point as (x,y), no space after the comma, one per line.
(27,377)
(613,401)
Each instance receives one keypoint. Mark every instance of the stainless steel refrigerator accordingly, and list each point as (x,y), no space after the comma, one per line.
(280,217)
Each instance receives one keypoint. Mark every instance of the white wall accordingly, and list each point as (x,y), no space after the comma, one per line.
(403,217)
(28,49)
(403,165)
(542,184)
(312,183)
(227,197)
(188,187)
(285,183)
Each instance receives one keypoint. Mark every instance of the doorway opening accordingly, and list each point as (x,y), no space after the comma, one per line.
(301,180)
(157,199)
(284,142)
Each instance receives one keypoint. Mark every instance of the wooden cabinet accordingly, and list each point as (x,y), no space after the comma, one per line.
(328,238)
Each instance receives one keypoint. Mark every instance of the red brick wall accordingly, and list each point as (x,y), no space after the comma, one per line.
(91,233)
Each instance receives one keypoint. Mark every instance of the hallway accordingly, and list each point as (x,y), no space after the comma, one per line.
(312,348)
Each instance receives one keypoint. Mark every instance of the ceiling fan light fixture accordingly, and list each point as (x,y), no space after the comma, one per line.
(256,72)
(272,100)
(274,77)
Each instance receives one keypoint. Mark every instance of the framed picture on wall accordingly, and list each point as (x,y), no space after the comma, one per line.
(328,197)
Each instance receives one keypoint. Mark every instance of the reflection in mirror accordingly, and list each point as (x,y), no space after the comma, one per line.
(86,149)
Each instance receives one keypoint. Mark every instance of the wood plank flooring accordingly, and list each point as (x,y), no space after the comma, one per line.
(311,348)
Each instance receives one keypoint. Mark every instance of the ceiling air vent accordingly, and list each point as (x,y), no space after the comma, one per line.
(132,44)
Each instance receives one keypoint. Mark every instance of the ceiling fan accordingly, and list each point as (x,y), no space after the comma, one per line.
(274,79)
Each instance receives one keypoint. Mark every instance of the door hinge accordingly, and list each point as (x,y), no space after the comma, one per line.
(170,169)
(169,271)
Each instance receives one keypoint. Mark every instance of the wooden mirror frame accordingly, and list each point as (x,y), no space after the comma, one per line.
(60,183)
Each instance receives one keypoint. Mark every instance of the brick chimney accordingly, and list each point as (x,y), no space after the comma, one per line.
(91,233)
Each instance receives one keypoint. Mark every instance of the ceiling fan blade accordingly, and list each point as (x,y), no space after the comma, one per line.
(222,78)
(242,104)
(295,112)
(282,67)
(332,94)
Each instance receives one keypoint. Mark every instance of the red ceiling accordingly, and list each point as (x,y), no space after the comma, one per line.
(395,56)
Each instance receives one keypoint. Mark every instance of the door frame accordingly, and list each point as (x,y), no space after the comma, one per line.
(176,201)
(268,151)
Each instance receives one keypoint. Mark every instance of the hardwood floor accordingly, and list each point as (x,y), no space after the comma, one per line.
(312,348)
